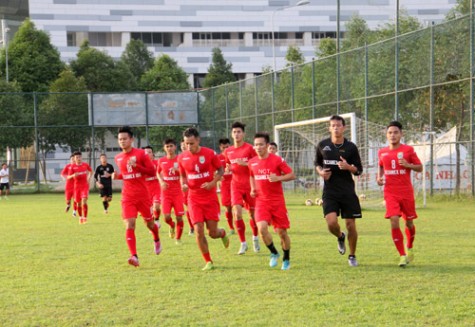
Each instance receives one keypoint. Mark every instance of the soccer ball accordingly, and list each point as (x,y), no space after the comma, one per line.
(308,202)
(318,201)
(362,197)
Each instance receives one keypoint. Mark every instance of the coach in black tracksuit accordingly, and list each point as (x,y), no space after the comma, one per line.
(103,177)
(336,160)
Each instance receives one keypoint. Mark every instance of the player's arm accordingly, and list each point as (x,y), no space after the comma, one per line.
(252,181)
(380,177)
(64,173)
(353,164)
(183,179)
(286,173)
(97,174)
(325,173)
(162,182)
(145,166)
(414,164)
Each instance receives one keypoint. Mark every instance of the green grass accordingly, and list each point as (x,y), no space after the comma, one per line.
(56,272)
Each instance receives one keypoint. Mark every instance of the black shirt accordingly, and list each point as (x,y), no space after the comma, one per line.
(107,182)
(328,155)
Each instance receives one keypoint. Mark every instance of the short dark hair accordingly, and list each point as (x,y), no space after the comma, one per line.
(238,124)
(103,155)
(169,141)
(395,123)
(71,156)
(340,118)
(77,153)
(190,132)
(274,144)
(126,129)
(263,135)
(147,147)
(224,140)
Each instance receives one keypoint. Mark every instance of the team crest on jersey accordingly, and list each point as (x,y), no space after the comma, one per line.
(175,165)
(326,148)
(201,159)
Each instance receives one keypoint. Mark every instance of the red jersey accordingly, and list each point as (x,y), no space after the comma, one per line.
(397,178)
(260,169)
(153,184)
(199,168)
(69,182)
(170,172)
(81,172)
(134,187)
(240,173)
(228,175)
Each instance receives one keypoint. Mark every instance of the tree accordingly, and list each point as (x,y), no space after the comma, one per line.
(165,75)
(100,72)
(294,56)
(137,58)
(219,72)
(32,60)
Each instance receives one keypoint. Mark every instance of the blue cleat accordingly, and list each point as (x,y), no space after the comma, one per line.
(285,265)
(273,260)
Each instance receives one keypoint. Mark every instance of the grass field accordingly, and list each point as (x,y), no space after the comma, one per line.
(56,272)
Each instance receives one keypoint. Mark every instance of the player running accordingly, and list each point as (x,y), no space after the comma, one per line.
(395,164)
(200,170)
(168,174)
(153,187)
(224,143)
(336,160)
(268,171)
(81,173)
(103,178)
(69,186)
(133,165)
(185,196)
(237,157)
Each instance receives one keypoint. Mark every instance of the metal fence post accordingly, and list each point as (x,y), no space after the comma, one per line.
(431,110)
(37,141)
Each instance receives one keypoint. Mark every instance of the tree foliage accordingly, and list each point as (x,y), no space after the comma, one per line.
(165,74)
(32,60)
(137,58)
(220,71)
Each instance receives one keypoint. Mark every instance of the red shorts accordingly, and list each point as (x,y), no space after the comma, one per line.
(400,205)
(274,213)
(226,194)
(243,198)
(174,201)
(201,211)
(81,192)
(69,193)
(131,208)
(185,198)
(156,197)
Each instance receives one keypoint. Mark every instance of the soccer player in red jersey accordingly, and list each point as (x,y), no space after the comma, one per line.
(153,186)
(185,196)
(268,171)
(200,170)
(69,186)
(273,148)
(224,143)
(80,172)
(133,165)
(237,157)
(395,164)
(168,174)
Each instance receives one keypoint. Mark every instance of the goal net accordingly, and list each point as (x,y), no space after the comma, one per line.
(297,142)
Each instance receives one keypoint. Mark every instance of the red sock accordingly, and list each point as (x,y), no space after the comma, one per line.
(130,239)
(189,219)
(398,239)
(154,231)
(179,229)
(75,206)
(410,235)
(241,229)
(206,256)
(84,210)
(156,214)
(255,232)
(79,211)
(229,217)
(170,222)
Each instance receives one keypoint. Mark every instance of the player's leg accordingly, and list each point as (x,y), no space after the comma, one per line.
(250,203)
(84,206)
(398,239)
(145,212)
(285,242)
(352,240)
(229,219)
(410,231)
(130,235)
(179,210)
(263,227)
(237,200)
(334,228)
(167,214)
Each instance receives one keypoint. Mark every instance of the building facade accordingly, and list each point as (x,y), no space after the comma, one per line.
(188,30)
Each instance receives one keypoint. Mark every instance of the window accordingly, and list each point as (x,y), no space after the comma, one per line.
(71,39)
(154,39)
(104,39)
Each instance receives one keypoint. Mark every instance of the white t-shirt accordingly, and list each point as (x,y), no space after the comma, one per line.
(4,176)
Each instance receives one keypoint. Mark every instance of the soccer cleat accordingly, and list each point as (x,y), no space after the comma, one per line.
(285,265)
(341,244)
(231,232)
(225,241)
(157,247)
(83,220)
(208,266)
(171,232)
(255,245)
(352,261)
(106,211)
(273,260)
(243,248)
(403,261)
(179,242)
(67,208)
(410,255)
(191,232)
(134,261)
(74,213)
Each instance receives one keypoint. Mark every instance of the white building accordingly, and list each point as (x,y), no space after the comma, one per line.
(187,30)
